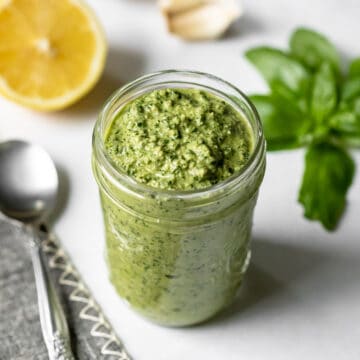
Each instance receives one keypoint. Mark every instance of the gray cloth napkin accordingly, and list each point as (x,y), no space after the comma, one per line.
(20,332)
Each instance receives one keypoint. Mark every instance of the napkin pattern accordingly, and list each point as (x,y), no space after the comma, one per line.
(20,332)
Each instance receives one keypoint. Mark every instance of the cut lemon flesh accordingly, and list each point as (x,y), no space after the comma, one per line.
(52,52)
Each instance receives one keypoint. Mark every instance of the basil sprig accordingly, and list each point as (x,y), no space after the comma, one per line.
(312,104)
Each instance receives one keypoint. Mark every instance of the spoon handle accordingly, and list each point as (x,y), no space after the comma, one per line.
(52,318)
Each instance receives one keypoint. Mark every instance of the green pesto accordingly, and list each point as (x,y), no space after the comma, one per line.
(175,264)
(179,139)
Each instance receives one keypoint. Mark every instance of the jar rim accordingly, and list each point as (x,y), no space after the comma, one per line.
(123,180)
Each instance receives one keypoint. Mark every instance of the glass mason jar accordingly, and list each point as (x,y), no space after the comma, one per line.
(177,257)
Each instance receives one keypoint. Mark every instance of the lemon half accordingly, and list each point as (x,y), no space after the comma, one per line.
(52,52)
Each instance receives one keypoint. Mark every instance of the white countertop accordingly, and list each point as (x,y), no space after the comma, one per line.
(302,295)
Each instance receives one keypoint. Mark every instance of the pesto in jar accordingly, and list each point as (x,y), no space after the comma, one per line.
(179,139)
(174,262)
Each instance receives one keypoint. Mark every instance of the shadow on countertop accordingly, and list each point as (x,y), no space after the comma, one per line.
(274,269)
(247,25)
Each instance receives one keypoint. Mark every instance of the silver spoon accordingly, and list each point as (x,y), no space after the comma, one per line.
(28,192)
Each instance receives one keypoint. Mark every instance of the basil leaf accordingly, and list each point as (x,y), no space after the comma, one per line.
(282,92)
(355,104)
(329,171)
(351,89)
(275,65)
(345,122)
(351,141)
(348,124)
(324,94)
(312,49)
(284,125)
(350,106)
(354,70)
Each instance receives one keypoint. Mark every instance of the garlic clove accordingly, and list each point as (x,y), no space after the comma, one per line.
(199,19)
(207,21)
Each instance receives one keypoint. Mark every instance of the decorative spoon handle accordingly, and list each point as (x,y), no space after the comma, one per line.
(61,348)
(52,318)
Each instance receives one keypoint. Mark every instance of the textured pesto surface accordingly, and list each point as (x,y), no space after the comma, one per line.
(179,139)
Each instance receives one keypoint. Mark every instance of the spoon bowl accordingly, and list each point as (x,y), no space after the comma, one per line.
(28,181)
